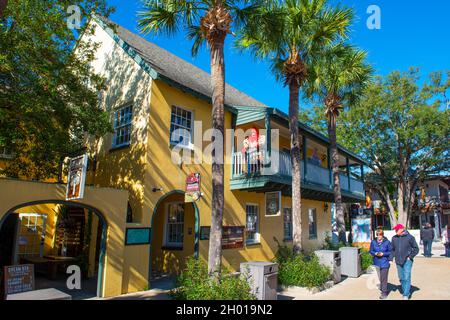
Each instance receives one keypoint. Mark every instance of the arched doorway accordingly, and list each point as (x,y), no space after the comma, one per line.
(175,233)
(52,234)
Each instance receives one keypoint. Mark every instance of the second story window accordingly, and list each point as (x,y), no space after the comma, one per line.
(122,126)
(181,127)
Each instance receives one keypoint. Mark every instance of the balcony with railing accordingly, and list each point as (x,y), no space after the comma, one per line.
(258,170)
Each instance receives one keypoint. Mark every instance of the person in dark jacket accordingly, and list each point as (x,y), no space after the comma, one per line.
(380,249)
(404,249)
(427,237)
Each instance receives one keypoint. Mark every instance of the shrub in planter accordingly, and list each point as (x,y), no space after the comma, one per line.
(303,272)
(194,283)
(366,259)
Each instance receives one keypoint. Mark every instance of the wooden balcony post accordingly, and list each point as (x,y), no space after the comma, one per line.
(347,162)
(305,166)
(330,173)
(268,138)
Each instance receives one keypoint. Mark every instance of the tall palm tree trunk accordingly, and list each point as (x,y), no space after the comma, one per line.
(296,170)
(218,97)
(340,219)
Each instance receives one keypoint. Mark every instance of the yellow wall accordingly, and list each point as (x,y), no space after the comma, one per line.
(110,202)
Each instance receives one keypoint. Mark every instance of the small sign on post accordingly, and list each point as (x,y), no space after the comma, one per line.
(76,178)
(18,278)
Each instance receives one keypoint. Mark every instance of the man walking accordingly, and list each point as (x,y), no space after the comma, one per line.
(427,237)
(404,249)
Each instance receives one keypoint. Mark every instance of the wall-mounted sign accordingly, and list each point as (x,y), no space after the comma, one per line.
(204,232)
(76,178)
(192,192)
(273,203)
(135,236)
(18,278)
(232,237)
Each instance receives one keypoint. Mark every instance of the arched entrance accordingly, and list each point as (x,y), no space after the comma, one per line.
(175,233)
(52,234)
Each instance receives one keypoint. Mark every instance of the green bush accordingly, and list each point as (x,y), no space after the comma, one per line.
(194,283)
(330,245)
(303,272)
(366,259)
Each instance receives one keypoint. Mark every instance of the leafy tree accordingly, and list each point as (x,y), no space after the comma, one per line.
(337,79)
(207,21)
(402,129)
(290,34)
(48,93)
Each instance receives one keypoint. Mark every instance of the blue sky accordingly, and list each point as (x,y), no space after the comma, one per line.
(413,33)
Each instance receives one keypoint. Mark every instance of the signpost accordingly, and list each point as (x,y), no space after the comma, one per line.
(76,177)
(18,278)
(192,192)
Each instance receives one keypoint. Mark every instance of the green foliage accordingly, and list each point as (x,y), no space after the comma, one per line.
(330,245)
(300,270)
(48,92)
(303,272)
(194,283)
(366,259)
(281,29)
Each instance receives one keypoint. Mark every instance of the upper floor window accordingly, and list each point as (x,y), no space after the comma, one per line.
(122,126)
(181,127)
(252,225)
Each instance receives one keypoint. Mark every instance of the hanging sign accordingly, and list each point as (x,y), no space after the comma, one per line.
(19,278)
(273,203)
(192,192)
(76,178)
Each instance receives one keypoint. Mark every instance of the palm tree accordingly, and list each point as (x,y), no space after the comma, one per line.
(290,34)
(338,79)
(207,21)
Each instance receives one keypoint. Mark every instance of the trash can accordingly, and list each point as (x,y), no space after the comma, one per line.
(263,278)
(331,259)
(351,261)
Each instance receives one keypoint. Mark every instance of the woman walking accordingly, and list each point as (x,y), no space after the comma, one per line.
(381,249)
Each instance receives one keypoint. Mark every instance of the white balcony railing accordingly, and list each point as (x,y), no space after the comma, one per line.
(253,164)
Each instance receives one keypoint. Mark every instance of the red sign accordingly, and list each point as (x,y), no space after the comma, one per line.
(192,192)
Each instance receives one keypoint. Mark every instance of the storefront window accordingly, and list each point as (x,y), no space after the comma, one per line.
(175,224)
(287,223)
(312,219)
(252,227)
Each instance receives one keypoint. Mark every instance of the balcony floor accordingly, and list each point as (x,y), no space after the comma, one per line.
(312,191)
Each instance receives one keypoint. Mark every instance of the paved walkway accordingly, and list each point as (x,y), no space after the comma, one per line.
(430,281)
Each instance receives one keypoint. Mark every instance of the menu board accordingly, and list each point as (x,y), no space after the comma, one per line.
(19,278)
(192,188)
(76,177)
(232,237)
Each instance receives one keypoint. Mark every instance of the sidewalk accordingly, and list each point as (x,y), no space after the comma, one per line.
(430,281)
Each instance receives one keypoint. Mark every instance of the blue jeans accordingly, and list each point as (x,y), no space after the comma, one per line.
(404,275)
(427,247)
(447,250)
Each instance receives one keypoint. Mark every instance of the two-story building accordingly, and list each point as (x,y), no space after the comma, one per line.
(160,105)
(150,94)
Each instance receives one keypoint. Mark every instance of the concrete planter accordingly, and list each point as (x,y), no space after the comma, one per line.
(314,290)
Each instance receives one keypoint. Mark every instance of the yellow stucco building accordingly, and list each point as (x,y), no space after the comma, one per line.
(157,103)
